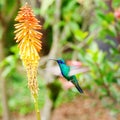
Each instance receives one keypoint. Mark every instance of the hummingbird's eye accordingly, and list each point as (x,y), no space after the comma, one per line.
(61,61)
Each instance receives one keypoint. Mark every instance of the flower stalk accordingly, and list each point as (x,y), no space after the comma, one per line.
(28,38)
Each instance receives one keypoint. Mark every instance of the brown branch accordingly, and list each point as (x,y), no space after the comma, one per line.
(4,101)
(52,54)
(5,23)
(2,20)
(56,34)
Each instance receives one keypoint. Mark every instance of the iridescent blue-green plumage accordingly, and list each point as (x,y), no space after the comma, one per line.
(65,70)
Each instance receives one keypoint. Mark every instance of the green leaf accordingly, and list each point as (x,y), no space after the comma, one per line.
(116,3)
(110,42)
(109,77)
(112,30)
(90,40)
(73,26)
(80,35)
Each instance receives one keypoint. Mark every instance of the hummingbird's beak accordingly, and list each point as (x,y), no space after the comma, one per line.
(53,59)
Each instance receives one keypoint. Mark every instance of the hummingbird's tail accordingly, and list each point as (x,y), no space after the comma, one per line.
(75,82)
(78,88)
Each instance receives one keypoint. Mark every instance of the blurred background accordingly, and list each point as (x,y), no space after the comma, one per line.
(83,33)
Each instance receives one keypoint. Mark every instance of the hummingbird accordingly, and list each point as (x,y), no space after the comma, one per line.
(65,71)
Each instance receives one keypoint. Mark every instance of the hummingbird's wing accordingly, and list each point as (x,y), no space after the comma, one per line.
(76,70)
(55,70)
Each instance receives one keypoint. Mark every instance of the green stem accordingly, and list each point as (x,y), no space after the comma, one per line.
(36,107)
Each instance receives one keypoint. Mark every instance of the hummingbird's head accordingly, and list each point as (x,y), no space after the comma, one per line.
(60,61)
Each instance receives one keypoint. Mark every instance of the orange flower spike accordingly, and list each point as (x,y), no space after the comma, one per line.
(29,42)
(28,39)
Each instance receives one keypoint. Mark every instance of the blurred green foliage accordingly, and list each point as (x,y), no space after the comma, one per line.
(82,30)
(83,26)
